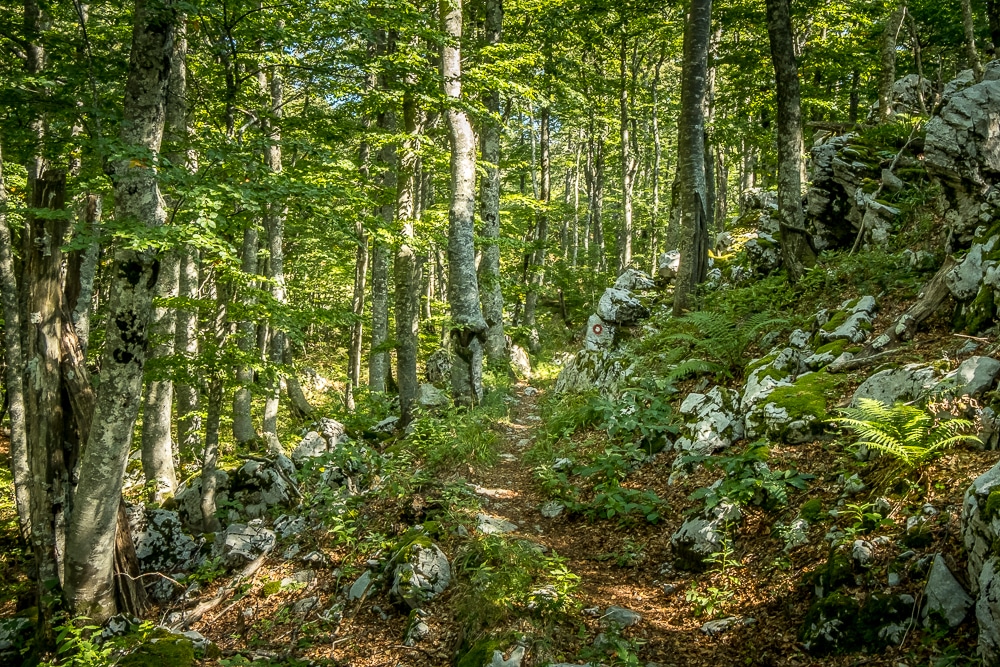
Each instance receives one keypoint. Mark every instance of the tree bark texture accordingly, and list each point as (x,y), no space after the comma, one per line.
(887,72)
(691,155)
(629,162)
(20,467)
(188,417)
(157,443)
(538,256)
(467,324)
(406,268)
(489,209)
(969,28)
(796,250)
(90,550)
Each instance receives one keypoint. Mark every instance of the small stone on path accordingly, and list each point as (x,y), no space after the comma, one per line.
(551,509)
(492,525)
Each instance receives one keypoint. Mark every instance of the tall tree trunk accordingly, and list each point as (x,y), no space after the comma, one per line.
(691,154)
(468,326)
(969,28)
(157,444)
(188,416)
(993,16)
(887,72)
(654,218)
(92,207)
(489,208)
(406,269)
(796,250)
(378,359)
(628,160)
(243,430)
(575,249)
(536,272)
(90,543)
(275,223)
(14,353)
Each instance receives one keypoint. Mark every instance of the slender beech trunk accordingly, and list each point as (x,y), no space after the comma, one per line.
(468,326)
(536,271)
(15,370)
(918,60)
(993,17)
(887,72)
(406,268)
(274,222)
(243,430)
(157,443)
(378,358)
(629,163)
(489,209)
(575,251)
(188,416)
(691,154)
(90,543)
(969,28)
(654,217)
(92,207)
(796,250)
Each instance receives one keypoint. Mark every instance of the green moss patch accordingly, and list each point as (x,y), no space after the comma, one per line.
(808,396)
(163,652)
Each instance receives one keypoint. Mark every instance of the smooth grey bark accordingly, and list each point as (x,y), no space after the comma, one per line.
(796,249)
(406,268)
(691,155)
(917,59)
(489,207)
(575,252)
(629,162)
(188,417)
(969,28)
(243,430)
(20,468)
(157,443)
(537,261)
(90,542)
(654,214)
(887,69)
(468,326)
(274,221)
(93,210)
(378,358)
(220,328)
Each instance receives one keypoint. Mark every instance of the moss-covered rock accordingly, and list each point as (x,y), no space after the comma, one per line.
(811,509)
(162,651)
(795,413)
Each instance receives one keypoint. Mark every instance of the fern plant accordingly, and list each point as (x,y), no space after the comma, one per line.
(718,341)
(906,433)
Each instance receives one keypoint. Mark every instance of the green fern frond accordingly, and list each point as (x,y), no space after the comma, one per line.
(902,431)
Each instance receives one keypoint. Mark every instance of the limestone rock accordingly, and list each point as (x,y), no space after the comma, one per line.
(701,536)
(162,546)
(257,486)
(973,377)
(430,397)
(600,335)
(713,422)
(492,525)
(621,307)
(852,323)
(763,254)
(620,617)
(962,150)
(668,264)
(520,362)
(988,611)
(423,575)
(592,369)
(944,596)
(239,544)
(311,446)
(981,522)
(896,384)
(632,280)
(187,500)
(964,280)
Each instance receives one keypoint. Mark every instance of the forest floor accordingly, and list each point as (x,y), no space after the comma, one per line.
(624,564)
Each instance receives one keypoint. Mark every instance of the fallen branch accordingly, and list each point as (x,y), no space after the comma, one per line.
(930,299)
(198,612)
